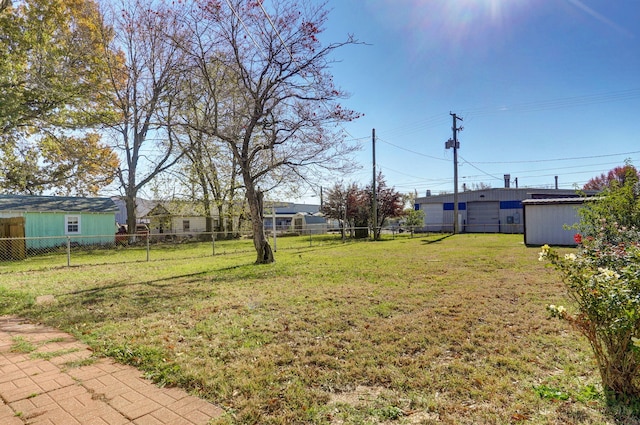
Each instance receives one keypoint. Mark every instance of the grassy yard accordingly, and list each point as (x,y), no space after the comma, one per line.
(423,330)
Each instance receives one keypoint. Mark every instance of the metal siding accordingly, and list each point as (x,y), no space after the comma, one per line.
(516,226)
(447,221)
(510,205)
(99,225)
(50,225)
(433,217)
(448,206)
(497,194)
(483,217)
(544,224)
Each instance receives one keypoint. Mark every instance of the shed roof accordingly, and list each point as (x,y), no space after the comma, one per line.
(548,201)
(29,203)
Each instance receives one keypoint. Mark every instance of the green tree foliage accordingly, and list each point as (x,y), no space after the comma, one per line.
(51,77)
(414,218)
(209,169)
(619,206)
(51,67)
(63,165)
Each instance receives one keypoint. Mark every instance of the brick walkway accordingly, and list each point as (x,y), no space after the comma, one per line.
(49,385)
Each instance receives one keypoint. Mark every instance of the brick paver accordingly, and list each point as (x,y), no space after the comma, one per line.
(40,388)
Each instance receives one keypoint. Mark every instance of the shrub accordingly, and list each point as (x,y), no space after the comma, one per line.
(603,279)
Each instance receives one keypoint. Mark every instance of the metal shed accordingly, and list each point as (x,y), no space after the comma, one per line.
(548,221)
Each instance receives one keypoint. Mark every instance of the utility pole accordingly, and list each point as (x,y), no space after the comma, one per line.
(374,207)
(453,143)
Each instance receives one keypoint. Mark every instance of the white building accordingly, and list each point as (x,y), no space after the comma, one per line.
(549,221)
(484,211)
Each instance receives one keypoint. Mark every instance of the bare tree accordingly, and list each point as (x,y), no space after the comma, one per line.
(212,172)
(144,79)
(272,100)
(209,165)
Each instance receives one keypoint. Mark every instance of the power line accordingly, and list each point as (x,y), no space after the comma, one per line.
(415,127)
(411,151)
(557,159)
(245,28)
(382,167)
(482,171)
(295,62)
(559,103)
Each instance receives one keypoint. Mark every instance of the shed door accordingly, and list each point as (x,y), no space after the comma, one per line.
(13,249)
(545,224)
(483,217)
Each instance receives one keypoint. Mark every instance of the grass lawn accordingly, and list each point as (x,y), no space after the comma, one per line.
(423,330)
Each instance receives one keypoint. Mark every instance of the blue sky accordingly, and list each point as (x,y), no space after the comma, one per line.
(545,88)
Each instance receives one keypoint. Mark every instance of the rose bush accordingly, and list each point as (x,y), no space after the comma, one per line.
(604,282)
(603,279)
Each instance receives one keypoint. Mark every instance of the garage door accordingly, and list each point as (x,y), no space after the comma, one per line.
(433,217)
(483,217)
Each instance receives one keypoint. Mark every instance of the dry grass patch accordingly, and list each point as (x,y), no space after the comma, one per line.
(413,330)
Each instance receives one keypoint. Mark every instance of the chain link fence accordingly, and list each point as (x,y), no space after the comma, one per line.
(33,253)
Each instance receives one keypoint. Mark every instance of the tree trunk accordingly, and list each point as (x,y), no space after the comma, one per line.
(361,230)
(206,203)
(260,242)
(130,202)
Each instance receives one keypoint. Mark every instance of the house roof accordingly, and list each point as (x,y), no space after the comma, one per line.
(28,203)
(314,219)
(176,208)
(292,208)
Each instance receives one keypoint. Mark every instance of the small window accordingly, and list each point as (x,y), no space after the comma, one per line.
(185,225)
(72,224)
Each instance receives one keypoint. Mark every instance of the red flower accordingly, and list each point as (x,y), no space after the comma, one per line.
(578,238)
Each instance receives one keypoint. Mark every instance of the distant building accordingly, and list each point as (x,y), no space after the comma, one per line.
(50,221)
(308,224)
(143,206)
(283,212)
(497,210)
(176,217)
